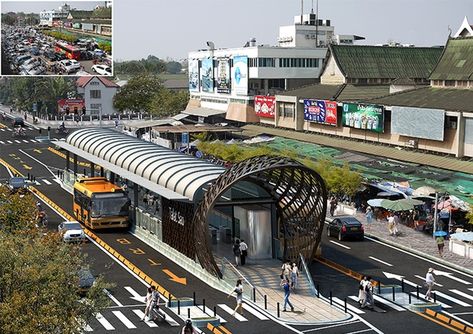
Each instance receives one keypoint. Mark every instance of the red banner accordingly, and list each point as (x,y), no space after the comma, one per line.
(264,106)
(77,104)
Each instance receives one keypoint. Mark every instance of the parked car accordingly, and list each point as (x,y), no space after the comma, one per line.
(102,69)
(69,65)
(86,280)
(38,70)
(99,53)
(71,231)
(344,227)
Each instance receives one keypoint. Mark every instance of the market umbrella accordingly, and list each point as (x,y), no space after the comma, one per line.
(399,205)
(463,236)
(440,233)
(411,201)
(375,202)
(424,191)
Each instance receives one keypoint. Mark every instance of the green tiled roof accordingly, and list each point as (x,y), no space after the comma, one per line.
(382,62)
(456,62)
(450,99)
(358,93)
(81,14)
(324,92)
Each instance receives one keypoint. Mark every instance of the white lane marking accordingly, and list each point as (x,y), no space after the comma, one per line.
(46,181)
(419,257)
(141,315)
(431,300)
(169,319)
(463,313)
(237,315)
(2,142)
(458,292)
(381,261)
(40,162)
(349,306)
(328,327)
(104,322)
(33,141)
(25,141)
(124,319)
(9,142)
(57,181)
(257,314)
(17,141)
(453,299)
(87,328)
(388,303)
(338,244)
(360,331)
(135,295)
(9,129)
(2,129)
(115,300)
(458,318)
(423,279)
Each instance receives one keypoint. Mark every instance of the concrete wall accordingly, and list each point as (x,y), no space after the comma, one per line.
(332,74)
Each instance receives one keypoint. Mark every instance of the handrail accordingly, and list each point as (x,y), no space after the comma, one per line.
(309,278)
(238,274)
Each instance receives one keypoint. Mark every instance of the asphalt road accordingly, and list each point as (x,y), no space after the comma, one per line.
(30,156)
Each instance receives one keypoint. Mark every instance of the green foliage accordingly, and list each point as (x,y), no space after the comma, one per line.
(102,13)
(469,217)
(151,65)
(60,35)
(173,67)
(167,102)
(39,276)
(138,94)
(232,153)
(105,46)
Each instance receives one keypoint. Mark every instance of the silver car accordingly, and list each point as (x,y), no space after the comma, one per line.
(72,231)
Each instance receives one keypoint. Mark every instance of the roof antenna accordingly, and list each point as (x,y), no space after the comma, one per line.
(302,11)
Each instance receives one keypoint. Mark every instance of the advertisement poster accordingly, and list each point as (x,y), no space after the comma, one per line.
(207,75)
(264,106)
(223,76)
(194,75)
(320,111)
(72,104)
(363,116)
(240,75)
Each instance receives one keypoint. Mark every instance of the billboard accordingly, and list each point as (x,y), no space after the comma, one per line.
(264,106)
(223,76)
(418,122)
(74,105)
(363,116)
(320,111)
(207,75)
(240,75)
(194,85)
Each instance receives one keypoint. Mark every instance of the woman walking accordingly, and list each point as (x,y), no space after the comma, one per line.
(294,276)
(237,252)
(148,299)
(239,297)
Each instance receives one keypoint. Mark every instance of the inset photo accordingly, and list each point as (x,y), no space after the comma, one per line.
(56,38)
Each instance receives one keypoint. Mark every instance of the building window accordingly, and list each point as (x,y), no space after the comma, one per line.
(94,83)
(286,110)
(95,94)
(462,83)
(253,62)
(276,84)
(95,108)
(449,83)
(451,122)
(266,62)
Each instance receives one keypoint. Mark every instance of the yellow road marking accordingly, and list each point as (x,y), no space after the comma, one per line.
(2,126)
(174,277)
(439,323)
(25,166)
(62,155)
(223,329)
(37,151)
(213,328)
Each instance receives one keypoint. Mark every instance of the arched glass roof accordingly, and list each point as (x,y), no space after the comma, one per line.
(179,173)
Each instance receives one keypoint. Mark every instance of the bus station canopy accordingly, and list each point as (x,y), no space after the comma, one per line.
(168,173)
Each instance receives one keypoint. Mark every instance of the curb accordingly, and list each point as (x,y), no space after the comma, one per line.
(417,252)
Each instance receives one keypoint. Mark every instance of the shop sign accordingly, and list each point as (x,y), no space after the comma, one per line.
(264,106)
(363,116)
(320,111)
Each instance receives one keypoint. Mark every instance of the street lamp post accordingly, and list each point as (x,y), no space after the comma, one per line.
(435,213)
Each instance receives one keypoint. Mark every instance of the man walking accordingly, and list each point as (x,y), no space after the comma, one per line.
(429,283)
(287,293)
(244,252)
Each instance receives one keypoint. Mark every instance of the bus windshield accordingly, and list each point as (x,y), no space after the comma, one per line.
(112,204)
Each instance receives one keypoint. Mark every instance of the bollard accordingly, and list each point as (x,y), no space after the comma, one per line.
(169,301)
(178,307)
(193,295)
(318,291)
(34,178)
(265,302)
(346,305)
(410,298)
(188,313)
(215,311)
(330,297)
(254,295)
(394,293)
(435,297)
(417,288)
(379,287)
(402,284)
(278,310)
(203,304)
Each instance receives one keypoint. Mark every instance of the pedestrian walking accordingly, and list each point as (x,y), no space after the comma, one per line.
(391,224)
(429,283)
(237,252)
(188,328)
(294,276)
(333,205)
(440,244)
(238,291)
(287,293)
(361,291)
(368,288)
(243,251)
(286,271)
(148,300)
(369,215)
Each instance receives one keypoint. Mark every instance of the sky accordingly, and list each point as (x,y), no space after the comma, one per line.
(172,28)
(37,6)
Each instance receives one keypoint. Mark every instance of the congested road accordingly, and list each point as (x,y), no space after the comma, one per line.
(382,262)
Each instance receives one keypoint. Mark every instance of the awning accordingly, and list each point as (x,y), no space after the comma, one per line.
(151,123)
(203,112)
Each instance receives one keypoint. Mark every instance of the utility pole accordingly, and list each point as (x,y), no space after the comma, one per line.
(317,23)
(435,213)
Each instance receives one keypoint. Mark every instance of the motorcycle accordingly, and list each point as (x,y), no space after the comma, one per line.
(62,130)
(19,132)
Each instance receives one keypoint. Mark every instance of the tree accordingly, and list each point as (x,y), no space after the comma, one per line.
(137,95)
(39,276)
(166,102)
(469,217)
(173,67)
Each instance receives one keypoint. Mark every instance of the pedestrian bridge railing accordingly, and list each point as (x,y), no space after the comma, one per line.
(306,272)
(230,274)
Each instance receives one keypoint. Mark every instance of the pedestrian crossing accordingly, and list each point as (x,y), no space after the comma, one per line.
(17,141)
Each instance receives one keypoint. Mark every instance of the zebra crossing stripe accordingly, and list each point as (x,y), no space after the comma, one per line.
(227,309)
(2,142)
(46,181)
(438,302)
(2,129)
(350,307)
(169,319)
(9,142)
(104,322)
(141,315)
(124,319)
(453,299)
(33,141)
(462,294)
(387,302)
(115,300)
(57,181)
(87,328)
(256,313)
(25,141)
(17,141)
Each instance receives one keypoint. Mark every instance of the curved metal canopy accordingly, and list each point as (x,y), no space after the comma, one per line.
(177,172)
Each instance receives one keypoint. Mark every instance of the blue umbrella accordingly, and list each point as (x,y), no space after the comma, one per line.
(440,233)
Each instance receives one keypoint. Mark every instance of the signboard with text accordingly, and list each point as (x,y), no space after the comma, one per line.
(240,75)
(320,111)
(363,116)
(264,106)
(223,76)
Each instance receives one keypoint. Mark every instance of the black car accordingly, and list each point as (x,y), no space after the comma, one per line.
(344,227)
(18,122)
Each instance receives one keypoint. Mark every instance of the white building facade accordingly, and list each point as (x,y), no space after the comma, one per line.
(47,17)
(98,94)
